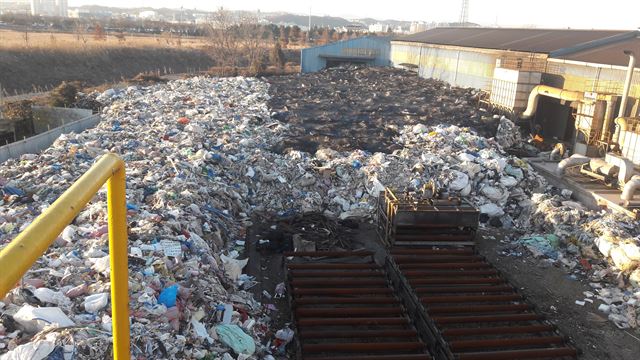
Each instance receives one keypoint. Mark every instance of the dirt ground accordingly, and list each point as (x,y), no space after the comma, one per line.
(554,293)
(268,267)
(364,107)
(550,289)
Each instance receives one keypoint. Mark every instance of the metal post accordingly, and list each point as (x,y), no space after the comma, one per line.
(627,82)
(309,30)
(118,256)
(17,257)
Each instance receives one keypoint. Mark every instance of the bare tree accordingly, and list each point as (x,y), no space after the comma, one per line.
(295,34)
(277,56)
(284,35)
(237,41)
(326,36)
(81,34)
(224,38)
(253,45)
(121,38)
(25,36)
(99,34)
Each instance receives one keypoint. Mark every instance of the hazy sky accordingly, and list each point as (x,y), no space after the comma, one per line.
(610,14)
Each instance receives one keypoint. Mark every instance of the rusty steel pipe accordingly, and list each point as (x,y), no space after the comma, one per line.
(331,266)
(342,300)
(434,237)
(354,321)
(337,282)
(478,309)
(456,265)
(342,291)
(485,318)
(373,357)
(404,259)
(519,354)
(500,330)
(416,273)
(335,273)
(470,298)
(465,289)
(334,254)
(327,334)
(466,250)
(439,281)
(350,312)
(418,227)
(363,347)
(504,343)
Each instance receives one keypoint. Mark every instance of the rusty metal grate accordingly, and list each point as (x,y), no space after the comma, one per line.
(345,309)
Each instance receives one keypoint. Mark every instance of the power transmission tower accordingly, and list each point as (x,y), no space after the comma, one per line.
(464,13)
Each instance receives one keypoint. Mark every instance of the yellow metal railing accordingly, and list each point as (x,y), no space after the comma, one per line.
(17,257)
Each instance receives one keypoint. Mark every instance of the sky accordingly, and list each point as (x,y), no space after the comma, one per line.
(585,14)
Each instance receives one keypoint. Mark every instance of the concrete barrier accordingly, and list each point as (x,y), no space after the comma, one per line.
(37,143)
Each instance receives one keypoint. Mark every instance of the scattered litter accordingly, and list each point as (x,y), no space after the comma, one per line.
(33,319)
(233,337)
(96,302)
(204,155)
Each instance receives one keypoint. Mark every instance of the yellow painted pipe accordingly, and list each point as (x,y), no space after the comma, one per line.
(119,259)
(550,91)
(622,123)
(17,257)
(621,126)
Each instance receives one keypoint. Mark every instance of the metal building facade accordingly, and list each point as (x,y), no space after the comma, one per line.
(372,50)
(459,66)
(600,78)
(454,65)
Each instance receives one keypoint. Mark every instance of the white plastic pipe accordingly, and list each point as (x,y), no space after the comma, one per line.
(621,127)
(630,189)
(627,83)
(544,90)
(558,150)
(573,160)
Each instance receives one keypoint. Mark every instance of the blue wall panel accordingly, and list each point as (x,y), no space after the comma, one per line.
(311,61)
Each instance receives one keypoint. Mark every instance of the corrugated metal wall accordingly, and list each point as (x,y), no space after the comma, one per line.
(455,66)
(583,77)
(475,68)
(311,60)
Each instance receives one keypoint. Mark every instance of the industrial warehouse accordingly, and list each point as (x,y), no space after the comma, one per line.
(573,88)
(460,193)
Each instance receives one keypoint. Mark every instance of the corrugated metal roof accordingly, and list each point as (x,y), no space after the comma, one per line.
(611,54)
(527,40)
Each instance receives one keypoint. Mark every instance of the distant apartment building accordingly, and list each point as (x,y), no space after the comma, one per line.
(378,28)
(49,8)
(148,15)
(80,13)
(15,6)
(418,27)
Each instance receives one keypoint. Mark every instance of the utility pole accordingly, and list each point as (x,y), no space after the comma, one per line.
(464,13)
(309,30)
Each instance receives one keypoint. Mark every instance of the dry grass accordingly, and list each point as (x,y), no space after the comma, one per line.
(44,60)
(14,40)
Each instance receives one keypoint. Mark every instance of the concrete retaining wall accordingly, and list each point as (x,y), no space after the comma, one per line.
(46,118)
(37,143)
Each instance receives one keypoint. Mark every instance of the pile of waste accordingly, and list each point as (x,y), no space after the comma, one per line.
(200,161)
(184,205)
(603,245)
(350,108)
